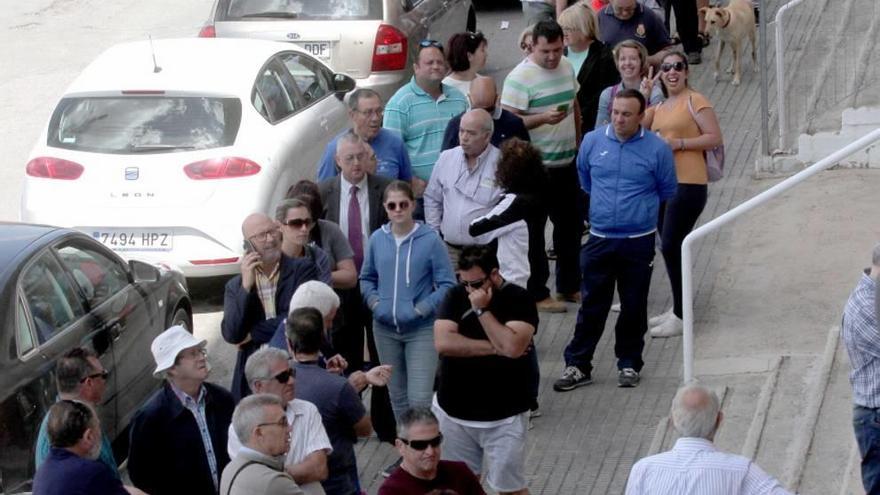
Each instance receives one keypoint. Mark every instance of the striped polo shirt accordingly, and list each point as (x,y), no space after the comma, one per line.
(421,121)
(532,89)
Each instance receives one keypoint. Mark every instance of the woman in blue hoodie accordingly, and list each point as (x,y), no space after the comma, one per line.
(406,273)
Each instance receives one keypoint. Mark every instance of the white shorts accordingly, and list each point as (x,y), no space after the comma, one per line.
(504,448)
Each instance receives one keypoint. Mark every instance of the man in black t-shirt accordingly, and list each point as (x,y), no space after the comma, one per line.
(483,331)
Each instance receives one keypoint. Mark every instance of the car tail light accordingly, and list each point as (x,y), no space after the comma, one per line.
(207,31)
(219,261)
(390,50)
(221,168)
(54,168)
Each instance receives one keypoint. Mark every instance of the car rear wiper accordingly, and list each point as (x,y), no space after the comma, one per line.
(276,13)
(146,148)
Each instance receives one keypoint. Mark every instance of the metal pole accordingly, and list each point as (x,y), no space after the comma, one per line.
(687,298)
(780,73)
(765,85)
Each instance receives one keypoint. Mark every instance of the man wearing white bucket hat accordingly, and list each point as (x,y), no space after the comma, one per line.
(178,438)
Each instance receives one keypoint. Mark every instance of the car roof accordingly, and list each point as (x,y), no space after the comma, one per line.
(220,66)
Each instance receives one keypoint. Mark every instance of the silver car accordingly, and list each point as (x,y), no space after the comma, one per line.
(373,41)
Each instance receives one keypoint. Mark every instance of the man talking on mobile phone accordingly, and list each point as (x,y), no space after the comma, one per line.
(257,300)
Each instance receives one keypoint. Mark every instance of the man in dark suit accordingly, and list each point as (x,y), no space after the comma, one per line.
(256,301)
(357,194)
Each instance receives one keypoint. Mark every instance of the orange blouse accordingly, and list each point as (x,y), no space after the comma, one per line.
(674,121)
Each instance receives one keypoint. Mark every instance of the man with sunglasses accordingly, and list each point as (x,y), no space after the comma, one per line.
(179,436)
(79,376)
(483,332)
(257,300)
(268,371)
(421,470)
(365,111)
(420,110)
(506,124)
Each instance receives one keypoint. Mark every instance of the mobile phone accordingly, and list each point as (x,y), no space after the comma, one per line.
(248,246)
(562,108)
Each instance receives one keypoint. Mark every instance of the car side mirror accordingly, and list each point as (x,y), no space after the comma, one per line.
(143,272)
(342,83)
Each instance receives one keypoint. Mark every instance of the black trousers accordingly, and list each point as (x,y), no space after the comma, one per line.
(682,212)
(566,206)
(627,263)
(685,22)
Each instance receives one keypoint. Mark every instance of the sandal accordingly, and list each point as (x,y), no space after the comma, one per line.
(704,38)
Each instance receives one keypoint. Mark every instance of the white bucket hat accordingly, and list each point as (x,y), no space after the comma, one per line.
(168,344)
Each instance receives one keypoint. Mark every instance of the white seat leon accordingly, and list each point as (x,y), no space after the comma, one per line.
(161,149)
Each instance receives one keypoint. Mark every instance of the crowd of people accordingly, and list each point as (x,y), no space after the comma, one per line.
(416,266)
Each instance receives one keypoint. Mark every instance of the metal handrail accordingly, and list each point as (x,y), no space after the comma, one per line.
(687,297)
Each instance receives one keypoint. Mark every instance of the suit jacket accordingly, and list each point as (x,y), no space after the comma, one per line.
(597,73)
(243,314)
(331,189)
(257,473)
(166,455)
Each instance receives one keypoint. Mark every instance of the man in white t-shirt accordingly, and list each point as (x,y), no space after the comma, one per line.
(268,371)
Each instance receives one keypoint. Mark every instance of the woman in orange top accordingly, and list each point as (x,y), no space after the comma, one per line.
(688,123)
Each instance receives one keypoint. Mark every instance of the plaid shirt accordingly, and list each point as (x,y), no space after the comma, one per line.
(862,340)
(266,287)
(198,411)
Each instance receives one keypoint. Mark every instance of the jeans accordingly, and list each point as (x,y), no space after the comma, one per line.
(628,263)
(679,218)
(866,423)
(413,359)
(566,208)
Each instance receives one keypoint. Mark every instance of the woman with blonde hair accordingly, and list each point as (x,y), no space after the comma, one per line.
(631,58)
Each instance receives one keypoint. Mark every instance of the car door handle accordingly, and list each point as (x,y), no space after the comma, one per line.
(115,331)
(325,123)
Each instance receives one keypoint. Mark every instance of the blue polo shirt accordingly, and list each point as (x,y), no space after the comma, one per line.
(65,472)
(421,121)
(644,26)
(393,159)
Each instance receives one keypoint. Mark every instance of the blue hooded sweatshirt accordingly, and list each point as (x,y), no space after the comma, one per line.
(403,285)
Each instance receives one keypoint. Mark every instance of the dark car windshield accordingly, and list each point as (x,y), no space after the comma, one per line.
(144,124)
(337,10)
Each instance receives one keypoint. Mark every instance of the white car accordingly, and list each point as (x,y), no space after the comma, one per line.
(161,149)
(373,41)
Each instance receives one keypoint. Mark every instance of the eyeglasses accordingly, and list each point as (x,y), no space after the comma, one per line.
(677,66)
(281,422)
(284,376)
(262,236)
(391,205)
(423,444)
(103,374)
(373,112)
(430,43)
(298,223)
(474,284)
(193,353)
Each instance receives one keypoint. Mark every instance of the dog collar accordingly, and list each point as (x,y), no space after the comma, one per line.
(728,21)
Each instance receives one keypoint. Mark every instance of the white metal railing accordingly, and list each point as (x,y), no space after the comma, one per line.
(687,297)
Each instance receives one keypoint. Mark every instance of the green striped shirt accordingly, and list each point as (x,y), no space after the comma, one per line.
(531,89)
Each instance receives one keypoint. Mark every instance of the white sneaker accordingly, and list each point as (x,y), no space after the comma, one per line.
(656,320)
(670,327)
(615,307)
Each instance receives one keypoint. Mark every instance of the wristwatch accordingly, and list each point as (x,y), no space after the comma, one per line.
(479,311)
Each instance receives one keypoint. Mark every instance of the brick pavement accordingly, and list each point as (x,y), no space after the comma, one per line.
(587,439)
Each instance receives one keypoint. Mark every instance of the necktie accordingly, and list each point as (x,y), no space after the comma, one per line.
(355,232)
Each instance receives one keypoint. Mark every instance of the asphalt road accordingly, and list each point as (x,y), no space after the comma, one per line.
(48,42)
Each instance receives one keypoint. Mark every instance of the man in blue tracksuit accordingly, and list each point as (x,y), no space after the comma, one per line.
(627,171)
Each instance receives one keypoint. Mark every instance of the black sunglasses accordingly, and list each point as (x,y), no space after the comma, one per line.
(391,205)
(423,444)
(299,223)
(103,374)
(284,376)
(474,284)
(430,43)
(678,66)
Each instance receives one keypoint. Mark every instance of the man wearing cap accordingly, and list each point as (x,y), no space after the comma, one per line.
(256,301)
(178,438)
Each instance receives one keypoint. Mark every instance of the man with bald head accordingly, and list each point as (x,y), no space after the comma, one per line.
(462,185)
(483,94)
(694,465)
(257,300)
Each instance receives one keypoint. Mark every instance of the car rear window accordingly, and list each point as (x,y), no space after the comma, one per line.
(306,9)
(144,124)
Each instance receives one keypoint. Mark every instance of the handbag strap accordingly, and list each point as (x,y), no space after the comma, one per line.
(694,114)
(234,476)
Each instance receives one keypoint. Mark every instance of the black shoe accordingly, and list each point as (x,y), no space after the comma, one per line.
(572,378)
(694,58)
(627,378)
(391,468)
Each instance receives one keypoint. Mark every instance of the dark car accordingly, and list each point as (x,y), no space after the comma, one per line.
(60,289)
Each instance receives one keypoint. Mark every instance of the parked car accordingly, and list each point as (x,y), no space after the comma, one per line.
(60,289)
(373,41)
(162,149)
